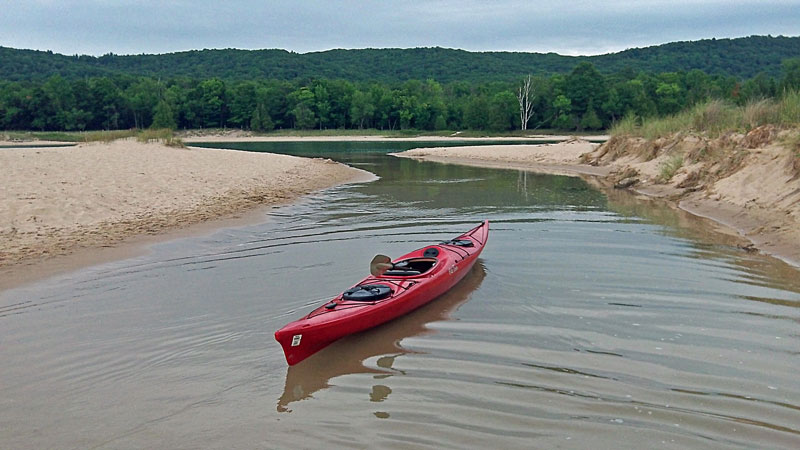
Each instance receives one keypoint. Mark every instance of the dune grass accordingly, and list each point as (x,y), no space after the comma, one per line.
(669,167)
(715,118)
(108,136)
(789,109)
(166,136)
(792,141)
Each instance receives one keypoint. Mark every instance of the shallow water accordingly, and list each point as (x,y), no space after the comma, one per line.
(588,321)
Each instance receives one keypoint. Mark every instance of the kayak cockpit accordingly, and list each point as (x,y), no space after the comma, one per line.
(412,267)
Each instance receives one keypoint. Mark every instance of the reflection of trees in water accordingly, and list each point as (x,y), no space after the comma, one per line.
(522,183)
(438,186)
(347,355)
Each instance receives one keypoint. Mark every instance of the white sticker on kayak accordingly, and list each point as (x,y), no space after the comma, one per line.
(296,339)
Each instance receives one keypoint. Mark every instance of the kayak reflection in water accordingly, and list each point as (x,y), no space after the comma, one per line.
(356,353)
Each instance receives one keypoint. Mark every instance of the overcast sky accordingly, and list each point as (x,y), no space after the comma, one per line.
(571,27)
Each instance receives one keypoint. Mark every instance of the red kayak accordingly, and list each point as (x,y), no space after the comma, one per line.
(395,288)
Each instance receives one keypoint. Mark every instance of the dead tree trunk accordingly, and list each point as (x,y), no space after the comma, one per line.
(525,98)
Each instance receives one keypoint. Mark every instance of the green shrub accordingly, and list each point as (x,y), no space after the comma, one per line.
(669,167)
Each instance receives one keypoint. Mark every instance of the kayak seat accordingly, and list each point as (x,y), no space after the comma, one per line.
(411,267)
(402,273)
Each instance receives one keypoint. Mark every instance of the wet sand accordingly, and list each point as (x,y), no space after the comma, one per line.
(758,202)
(94,196)
(560,158)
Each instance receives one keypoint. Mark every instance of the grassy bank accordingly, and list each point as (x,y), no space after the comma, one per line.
(738,165)
(381,133)
(166,136)
(715,118)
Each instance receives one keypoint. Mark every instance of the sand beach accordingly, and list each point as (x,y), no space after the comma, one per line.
(62,199)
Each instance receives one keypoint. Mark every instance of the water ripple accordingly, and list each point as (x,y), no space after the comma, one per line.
(585,323)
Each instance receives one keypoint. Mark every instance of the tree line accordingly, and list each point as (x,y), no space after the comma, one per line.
(743,58)
(582,99)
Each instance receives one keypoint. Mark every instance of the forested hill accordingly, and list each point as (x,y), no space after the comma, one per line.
(742,58)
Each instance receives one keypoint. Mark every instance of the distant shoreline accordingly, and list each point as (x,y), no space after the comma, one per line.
(237,137)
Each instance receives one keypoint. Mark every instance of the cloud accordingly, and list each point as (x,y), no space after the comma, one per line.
(569,27)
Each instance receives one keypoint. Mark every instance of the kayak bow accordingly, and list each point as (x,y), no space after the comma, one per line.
(412,280)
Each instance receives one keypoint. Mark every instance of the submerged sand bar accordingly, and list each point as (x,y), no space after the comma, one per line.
(57,200)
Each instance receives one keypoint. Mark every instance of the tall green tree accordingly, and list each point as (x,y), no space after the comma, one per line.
(303,100)
(668,98)
(564,118)
(261,120)
(107,104)
(476,113)
(791,74)
(143,97)
(212,106)
(242,103)
(340,98)
(590,119)
(321,104)
(163,116)
(584,86)
(362,109)
(503,113)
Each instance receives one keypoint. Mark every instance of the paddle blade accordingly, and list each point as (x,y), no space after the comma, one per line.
(379,265)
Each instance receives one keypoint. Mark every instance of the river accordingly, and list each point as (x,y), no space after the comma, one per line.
(590,320)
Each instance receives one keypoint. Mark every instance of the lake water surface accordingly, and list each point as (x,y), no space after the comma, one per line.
(588,321)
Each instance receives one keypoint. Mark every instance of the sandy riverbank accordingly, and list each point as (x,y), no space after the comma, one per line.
(59,200)
(759,198)
(561,158)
